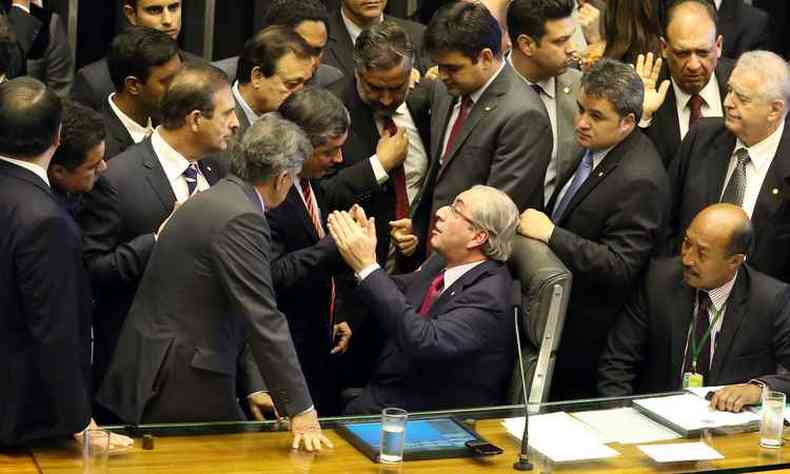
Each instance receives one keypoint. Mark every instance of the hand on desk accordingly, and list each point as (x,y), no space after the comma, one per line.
(118,442)
(734,397)
(306,430)
(261,403)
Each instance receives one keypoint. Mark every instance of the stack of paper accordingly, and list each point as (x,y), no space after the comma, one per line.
(560,437)
(688,413)
(680,452)
(625,426)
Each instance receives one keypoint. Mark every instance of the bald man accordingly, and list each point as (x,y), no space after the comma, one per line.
(660,338)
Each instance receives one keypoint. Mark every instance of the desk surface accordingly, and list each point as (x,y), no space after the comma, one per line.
(256,452)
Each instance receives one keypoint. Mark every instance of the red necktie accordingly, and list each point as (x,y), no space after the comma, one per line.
(319,229)
(433,292)
(463,113)
(695,104)
(398,176)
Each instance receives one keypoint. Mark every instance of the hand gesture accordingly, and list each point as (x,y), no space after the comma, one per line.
(261,403)
(432,73)
(306,430)
(590,22)
(344,331)
(648,71)
(392,150)
(403,236)
(357,244)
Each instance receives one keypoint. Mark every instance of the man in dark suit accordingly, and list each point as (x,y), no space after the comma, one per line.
(45,322)
(744,27)
(142,62)
(605,219)
(543,48)
(309,19)
(273,64)
(93,83)
(708,290)
(207,293)
(121,217)
(742,159)
(697,78)
(354,16)
(449,323)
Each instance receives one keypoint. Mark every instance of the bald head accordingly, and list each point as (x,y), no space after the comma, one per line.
(193,88)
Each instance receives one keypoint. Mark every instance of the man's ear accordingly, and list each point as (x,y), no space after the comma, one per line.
(193,120)
(130,14)
(526,45)
(57,171)
(480,238)
(132,85)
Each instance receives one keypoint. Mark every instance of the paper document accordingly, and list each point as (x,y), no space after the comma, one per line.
(680,452)
(625,426)
(560,437)
(689,412)
(703,391)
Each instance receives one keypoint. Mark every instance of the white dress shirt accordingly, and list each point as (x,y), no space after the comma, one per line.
(762,155)
(718,297)
(352,28)
(32,167)
(711,108)
(174,165)
(252,117)
(136,131)
(718,3)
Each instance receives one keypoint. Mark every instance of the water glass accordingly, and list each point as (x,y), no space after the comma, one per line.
(393,433)
(772,424)
(95,448)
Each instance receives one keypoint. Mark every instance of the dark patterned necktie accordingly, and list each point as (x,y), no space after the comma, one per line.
(398,176)
(191,177)
(463,113)
(736,187)
(701,326)
(695,105)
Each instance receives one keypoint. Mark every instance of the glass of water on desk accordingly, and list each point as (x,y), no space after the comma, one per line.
(772,424)
(393,432)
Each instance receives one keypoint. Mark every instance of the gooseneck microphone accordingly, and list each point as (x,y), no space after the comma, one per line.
(522,463)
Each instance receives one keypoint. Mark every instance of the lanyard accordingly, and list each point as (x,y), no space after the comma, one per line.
(695,350)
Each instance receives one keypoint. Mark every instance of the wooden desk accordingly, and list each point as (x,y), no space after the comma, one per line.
(270,453)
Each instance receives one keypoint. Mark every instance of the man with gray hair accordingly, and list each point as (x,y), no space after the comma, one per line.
(207,293)
(448,323)
(743,159)
(604,218)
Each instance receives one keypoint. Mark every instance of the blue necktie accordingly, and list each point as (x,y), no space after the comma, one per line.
(191,177)
(581,175)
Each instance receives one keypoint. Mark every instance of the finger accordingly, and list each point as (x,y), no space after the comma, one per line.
(648,63)
(663,89)
(326,441)
(256,412)
(640,64)
(372,227)
(309,442)
(297,441)
(656,69)
(404,223)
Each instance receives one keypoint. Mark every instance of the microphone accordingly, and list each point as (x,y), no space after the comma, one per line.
(522,463)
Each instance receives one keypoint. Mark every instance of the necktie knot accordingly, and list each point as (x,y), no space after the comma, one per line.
(696,102)
(437,285)
(388,124)
(742,155)
(191,177)
(537,88)
(304,183)
(703,301)
(466,102)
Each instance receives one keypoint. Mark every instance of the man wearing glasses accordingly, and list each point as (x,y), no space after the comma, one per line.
(448,323)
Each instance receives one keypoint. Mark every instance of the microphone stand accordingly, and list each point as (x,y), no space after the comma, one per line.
(522,463)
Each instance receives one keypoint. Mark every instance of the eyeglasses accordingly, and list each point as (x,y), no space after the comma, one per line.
(454,208)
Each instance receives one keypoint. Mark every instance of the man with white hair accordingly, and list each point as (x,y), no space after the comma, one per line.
(743,159)
(449,321)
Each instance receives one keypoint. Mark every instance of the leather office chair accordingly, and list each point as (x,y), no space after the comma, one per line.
(545,289)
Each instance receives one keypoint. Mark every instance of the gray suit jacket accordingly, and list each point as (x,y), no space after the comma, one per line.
(55,66)
(566,89)
(324,76)
(206,293)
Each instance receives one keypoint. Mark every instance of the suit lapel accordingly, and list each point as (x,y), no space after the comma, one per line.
(668,116)
(362,119)
(468,278)
(244,122)
(442,109)
(733,317)
(297,206)
(720,153)
(567,148)
(209,170)
(774,188)
(681,314)
(340,42)
(116,131)
(155,175)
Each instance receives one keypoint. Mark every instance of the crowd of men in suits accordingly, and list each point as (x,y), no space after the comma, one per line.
(317,226)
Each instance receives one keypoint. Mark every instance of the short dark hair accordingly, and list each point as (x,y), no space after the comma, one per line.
(131,3)
(529,17)
(266,48)
(707,5)
(293,12)
(383,46)
(468,28)
(193,88)
(82,130)
(318,112)
(30,117)
(135,50)
(742,239)
(616,82)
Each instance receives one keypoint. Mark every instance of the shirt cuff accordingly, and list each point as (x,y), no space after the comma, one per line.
(312,407)
(645,123)
(378,170)
(256,393)
(26,10)
(367,271)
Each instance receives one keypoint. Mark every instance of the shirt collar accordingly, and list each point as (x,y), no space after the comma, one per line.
(260,198)
(598,156)
(710,93)
(548,85)
(451,275)
(136,131)
(252,117)
(32,167)
(352,28)
(762,153)
(475,96)
(718,4)
(173,162)
(718,296)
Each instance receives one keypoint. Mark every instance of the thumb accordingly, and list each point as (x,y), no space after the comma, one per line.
(256,412)
(371,227)
(399,222)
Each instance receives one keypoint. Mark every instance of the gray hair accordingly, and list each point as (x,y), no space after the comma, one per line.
(774,74)
(495,212)
(318,112)
(383,46)
(269,147)
(618,83)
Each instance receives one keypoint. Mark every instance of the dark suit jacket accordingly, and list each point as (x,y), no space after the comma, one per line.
(206,293)
(244,122)
(644,353)
(119,219)
(664,129)
(460,355)
(50,58)
(26,28)
(361,145)
(606,237)
(118,138)
(744,28)
(323,77)
(505,142)
(93,84)
(45,320)
(697,175)
(339,51)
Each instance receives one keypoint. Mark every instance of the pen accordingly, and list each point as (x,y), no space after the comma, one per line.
(709,395)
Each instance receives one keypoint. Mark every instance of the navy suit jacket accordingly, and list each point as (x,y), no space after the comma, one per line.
(460,355)
(45,316)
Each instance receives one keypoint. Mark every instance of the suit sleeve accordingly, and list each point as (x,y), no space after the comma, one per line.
(110,261)
(625,348)
(781,344)
(629,236)
(522,155)
(349,185)
(241,256)
(59,66)
(449,336)
(48,274)
(289,268)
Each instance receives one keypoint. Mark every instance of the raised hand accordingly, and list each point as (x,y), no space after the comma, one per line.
(649,71)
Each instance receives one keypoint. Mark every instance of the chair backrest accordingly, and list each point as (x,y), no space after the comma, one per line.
(545,289)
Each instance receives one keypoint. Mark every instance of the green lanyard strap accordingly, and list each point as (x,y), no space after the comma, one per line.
(695,350)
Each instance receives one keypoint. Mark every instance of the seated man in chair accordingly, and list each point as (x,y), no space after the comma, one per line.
(451,339)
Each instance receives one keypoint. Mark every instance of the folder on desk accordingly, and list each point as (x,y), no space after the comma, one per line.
(689,414)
